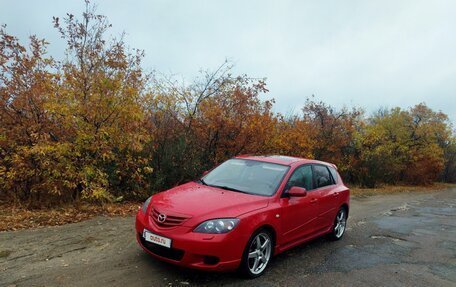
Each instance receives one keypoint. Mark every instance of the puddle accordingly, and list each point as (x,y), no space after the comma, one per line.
(387,237)
(395,240)
(403,225)
(444,271)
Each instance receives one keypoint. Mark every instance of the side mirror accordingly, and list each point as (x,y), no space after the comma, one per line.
(297,191)
(205,172)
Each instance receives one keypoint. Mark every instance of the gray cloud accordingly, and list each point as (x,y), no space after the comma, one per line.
(367,53)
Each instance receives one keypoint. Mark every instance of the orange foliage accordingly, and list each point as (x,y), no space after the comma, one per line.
(95,126)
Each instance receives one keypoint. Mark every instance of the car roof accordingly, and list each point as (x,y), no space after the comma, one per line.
(283,159)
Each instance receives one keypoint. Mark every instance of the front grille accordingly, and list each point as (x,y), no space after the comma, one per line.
(170,253)
(170,220)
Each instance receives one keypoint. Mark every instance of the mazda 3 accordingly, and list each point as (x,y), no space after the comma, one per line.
(243,212)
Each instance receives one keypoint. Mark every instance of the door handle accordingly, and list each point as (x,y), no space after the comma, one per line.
(313,200)
(335,194)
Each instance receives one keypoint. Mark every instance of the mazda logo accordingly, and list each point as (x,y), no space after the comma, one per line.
(161,217)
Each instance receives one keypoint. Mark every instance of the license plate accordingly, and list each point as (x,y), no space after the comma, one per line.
(157,239)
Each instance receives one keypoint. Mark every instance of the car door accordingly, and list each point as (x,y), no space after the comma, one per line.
(325,185)
(299,214)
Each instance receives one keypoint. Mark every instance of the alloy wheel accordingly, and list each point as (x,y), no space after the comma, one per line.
(341,222)
(259,253)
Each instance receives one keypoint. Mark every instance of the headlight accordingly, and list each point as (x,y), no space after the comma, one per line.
(146,204)
(222,225)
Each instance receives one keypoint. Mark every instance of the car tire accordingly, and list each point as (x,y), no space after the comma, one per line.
(257,254)
(340,224)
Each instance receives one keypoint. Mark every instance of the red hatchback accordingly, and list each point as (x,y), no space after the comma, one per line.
(243,212)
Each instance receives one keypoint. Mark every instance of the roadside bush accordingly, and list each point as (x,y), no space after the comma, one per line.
(73,129)
(449,173)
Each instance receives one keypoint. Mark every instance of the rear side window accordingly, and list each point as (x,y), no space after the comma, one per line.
(333,172)
(322,176)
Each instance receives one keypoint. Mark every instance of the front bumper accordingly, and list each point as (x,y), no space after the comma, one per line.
(211,252)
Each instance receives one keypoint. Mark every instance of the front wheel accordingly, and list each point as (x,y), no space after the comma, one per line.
(340,223)
(257,254)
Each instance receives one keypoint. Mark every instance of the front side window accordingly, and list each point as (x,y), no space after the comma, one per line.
(248,176)
(301,177)
(322,176)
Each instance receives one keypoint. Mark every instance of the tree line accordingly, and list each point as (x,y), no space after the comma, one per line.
(96,126)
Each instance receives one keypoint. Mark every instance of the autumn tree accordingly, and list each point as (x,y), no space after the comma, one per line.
(403,146)
(203,123)
(332,132)
(449,172)
(74,128)
(26,131)
(99,100)
(290,136)
(429,135)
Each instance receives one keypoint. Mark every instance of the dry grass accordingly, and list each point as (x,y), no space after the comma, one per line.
(5,253)
(15,218)
(389,189)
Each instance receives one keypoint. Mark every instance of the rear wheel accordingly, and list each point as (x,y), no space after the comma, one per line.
(340,223)
(257,254)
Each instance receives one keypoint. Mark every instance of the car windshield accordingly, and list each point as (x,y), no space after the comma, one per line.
(248,176)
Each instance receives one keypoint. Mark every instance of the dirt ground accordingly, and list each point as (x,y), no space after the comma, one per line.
(406,239)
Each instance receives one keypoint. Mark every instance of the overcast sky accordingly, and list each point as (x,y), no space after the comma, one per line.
(363,53)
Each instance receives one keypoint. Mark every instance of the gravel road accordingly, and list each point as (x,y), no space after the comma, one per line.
(406,239)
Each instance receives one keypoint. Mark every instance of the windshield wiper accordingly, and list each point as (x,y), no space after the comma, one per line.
(228,188)
(220,186)
(202,181)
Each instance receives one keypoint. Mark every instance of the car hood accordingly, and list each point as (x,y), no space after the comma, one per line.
(200,202)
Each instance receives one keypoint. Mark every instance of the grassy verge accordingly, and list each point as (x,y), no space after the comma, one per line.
(15,218)
(389,189)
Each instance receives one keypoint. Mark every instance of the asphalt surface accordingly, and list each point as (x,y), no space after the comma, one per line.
(407,239)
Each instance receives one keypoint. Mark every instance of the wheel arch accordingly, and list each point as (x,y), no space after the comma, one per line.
(271,230)
(345,206)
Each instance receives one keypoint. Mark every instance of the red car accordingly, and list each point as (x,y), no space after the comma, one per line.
(243,212)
